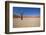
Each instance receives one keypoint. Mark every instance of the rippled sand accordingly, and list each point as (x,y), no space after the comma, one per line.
(26,22)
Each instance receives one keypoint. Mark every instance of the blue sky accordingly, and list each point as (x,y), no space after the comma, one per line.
(26,11)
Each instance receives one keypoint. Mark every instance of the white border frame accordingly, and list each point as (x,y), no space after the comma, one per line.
(11,29)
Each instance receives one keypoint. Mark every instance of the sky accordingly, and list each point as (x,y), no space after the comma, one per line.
(27,11)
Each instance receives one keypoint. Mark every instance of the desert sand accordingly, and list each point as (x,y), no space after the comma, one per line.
(26,22)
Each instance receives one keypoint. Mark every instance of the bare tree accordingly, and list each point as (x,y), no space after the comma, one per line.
(21,15)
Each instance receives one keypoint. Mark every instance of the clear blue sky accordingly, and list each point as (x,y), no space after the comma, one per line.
(26,11)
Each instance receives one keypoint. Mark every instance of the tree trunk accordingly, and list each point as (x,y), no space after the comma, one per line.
(21,16)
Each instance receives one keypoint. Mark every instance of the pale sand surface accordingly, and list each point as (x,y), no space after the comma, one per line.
(26,22)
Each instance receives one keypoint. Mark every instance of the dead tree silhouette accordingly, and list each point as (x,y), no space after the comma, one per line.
(21,15)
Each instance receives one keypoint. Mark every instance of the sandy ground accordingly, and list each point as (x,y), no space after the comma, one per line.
(26,22)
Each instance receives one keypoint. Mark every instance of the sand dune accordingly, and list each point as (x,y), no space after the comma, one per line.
(26,22)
